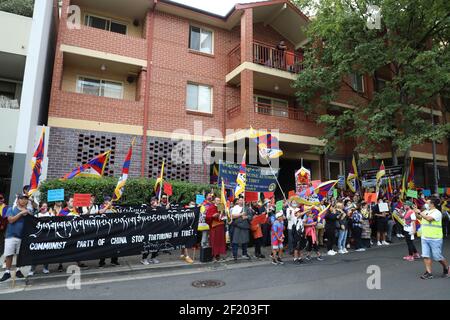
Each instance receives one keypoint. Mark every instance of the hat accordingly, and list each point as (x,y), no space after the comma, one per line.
(279,214)
(22,196)
(409,203)
(107,198)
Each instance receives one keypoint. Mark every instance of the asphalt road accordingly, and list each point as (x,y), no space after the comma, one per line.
(338,277)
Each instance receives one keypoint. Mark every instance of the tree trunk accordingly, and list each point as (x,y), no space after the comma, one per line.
(394,156)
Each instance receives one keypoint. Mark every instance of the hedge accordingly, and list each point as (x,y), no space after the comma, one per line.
(137,190)
(20,7)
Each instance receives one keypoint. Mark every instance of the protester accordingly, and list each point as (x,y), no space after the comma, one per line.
(330,229)
(278,238)
(14,233)
(343,228)
(259,219)
(357,218)
(241,227)
(92,209)
(43,213)
(381,224)
(432,237)
(153,205)
(57,208)
(366,231)
(310,234)
(409,230)
(69,210)
(299,236)
(107,208)
(290,217)
(217,229)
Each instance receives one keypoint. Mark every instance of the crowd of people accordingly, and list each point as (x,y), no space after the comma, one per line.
(332,227)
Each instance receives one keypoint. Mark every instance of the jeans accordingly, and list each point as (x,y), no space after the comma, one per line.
(390,227)
(342,239)
(236,247)
(357,231)
(330,233)
(145,255)
(290,241)
(411,247)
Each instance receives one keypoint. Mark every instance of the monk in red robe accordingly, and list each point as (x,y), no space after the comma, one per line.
(216,230)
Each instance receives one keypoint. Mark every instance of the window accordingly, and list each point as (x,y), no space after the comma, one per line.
(271,106)
(357,82)
(199,98)
(335,169)
(201,40)
(380,84)
(100,88)
(8,90)
(105,24)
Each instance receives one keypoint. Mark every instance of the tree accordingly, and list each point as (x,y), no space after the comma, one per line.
(20,7)
(412,44)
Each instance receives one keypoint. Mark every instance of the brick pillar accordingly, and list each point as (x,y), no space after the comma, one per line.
(140,84)
(247,104)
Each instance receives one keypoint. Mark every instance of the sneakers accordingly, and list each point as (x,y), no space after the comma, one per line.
(246,256)
(19,274)
(307,258)
(426,276)
(115,263)
(299,260)
(378,243)
(400,235)
(6,276)
(275,262)
(60,268)
(295,260)
(187,259)
(145,262)
(319,258)
(331,253)
(45,271)
(182,257)
(261,256)
(385,243)
(408,258)
(345,250)
(360,250)
(445,273)
(156,261)
(280,261)
(341,251)
(30,273)
(417,256)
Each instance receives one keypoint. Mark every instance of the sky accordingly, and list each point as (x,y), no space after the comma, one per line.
(220,7)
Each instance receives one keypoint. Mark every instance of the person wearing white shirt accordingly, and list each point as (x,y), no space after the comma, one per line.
(290,216)
(92,209)
(43,213)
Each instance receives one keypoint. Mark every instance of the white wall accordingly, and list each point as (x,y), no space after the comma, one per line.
(8,129)
(14,32)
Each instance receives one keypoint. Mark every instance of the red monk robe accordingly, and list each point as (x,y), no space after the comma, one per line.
(216,231)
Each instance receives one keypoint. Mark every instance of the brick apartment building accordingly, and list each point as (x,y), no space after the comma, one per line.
(147,68)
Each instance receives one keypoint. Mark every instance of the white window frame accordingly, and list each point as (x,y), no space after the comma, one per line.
(87,15)
(101,83)
(341,168)
(256,96)
(363,84)
(210,102)
(201,29)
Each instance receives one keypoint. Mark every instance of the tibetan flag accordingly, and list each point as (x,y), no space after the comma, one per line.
(324,212)
(223,200)
(215,175)
(123,179)
(36,164)
(268,145)
(159,185)
(241,179)
(323,189)
(94,168)
(353,176)
(403,190)
(381,172)
(390,191)
(411,185)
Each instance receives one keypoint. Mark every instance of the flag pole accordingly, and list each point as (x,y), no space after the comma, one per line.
(273,173)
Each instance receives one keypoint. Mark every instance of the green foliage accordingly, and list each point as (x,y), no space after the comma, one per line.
(137,191)
(20,7)
(413,44)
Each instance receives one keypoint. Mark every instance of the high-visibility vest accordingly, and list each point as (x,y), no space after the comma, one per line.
(432,229)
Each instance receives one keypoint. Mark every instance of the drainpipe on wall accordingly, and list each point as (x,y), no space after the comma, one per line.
(149,34)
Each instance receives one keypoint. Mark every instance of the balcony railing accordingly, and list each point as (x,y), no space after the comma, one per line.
(7,103)
(268,56)
(278,111)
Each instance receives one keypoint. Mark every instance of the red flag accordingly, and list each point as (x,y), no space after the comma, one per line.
(251,196)
(168,188)
(268,195)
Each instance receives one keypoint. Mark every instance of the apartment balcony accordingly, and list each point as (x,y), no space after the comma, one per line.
(273,70)
(10,122)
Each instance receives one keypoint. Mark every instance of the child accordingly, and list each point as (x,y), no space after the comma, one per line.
(310,233)
(277,238)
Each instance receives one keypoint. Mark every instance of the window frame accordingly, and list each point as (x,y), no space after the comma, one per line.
(110,20)
(363,83)
(256,96)
(102,80)
(341,167)
(211,102)
(201,29)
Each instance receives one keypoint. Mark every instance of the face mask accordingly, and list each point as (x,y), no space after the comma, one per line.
(427,206)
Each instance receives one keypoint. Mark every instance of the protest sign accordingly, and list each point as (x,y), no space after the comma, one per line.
(383,207)
(199,199)
(251,196)
(268,195)
(81,200)
(55,195)
(279,205)
(335,193)
(129,231)
(448,191)
(426,192)
(411,194)
(370,197)
(168,189)
(441,190)
(259,179)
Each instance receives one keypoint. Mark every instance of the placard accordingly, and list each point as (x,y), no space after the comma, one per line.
(426,192)
(441,190)
(279,205)
(81,200)
(335,193)
(383,207)
(370,197)
(411,194)
(199,199)
(251,196)
(55,195)
(268,195)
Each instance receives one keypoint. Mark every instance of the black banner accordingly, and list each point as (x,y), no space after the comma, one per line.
(126,232)
(391,171)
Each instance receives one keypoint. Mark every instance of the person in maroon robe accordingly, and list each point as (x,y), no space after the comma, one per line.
(216,229)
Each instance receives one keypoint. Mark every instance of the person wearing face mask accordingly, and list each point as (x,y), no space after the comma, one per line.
(432,237)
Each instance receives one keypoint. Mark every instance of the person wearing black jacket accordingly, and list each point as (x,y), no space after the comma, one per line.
(330,229)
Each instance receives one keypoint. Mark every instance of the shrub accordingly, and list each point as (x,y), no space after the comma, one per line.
(20,7)
(137,190)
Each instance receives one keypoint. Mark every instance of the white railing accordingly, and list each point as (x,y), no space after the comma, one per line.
(8,103)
